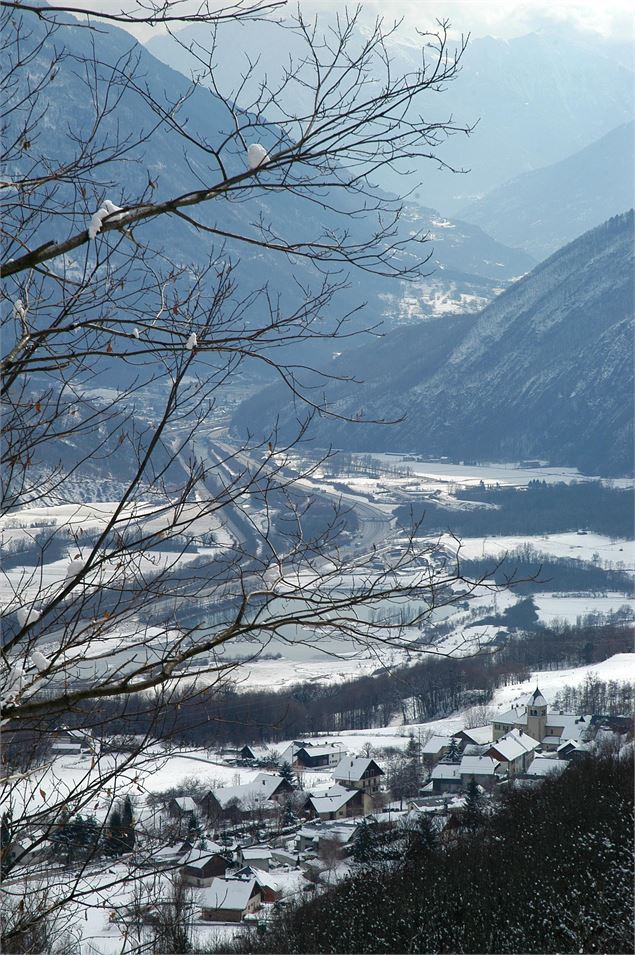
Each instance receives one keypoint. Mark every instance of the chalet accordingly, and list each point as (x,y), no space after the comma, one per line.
(357,772)
(229,900)
(483,770)
(338,803)
(514,751)
(547,727)
(201,866)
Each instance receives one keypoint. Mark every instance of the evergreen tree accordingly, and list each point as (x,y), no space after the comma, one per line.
(194,830)
(5,842)
(454,753)
(365,845)
(114,839)
(473,811)
(286,771)
(422,840)
(127,825)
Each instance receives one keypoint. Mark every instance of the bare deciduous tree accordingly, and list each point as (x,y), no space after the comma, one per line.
(145,552)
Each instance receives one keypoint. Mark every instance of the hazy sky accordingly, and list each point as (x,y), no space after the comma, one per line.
(613,19)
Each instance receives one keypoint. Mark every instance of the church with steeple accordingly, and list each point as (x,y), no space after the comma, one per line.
(547,727)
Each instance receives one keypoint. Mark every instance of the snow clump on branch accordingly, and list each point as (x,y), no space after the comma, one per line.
(257,155)
(107,209)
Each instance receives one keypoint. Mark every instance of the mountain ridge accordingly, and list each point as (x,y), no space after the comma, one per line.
(545,370)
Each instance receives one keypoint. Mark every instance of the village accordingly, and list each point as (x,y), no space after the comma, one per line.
(311,812)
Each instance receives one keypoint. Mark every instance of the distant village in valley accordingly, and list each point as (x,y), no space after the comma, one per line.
(311,811)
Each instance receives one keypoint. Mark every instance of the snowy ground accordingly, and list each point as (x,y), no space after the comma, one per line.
(570,607)
(576,546)
(472,474)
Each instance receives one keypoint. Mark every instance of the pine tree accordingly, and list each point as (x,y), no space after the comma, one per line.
(454,754)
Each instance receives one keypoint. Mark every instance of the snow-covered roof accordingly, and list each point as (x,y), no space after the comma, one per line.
(517,716)
(256,852)
(321,750)
(514,744)
(571,726)
(336,798)
(446,771)
(186,804)
(542,766)
(231,894)
(353,768)
(258,791)
(198,858)
(435,744)
(480,734)
(478,766)
(536,699)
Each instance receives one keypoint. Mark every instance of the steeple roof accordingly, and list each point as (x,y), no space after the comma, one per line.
(537,699)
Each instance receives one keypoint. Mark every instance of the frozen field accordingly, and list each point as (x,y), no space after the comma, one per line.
(569,607)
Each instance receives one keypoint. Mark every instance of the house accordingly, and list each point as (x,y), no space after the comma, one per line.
(339,803)
(483,770)
(514,751)
(259,857)
(445,778)
(229,900)
(201,866)
(263,794)
(358,772)
(182,806)
(542,766)
(167,856)
(269,887)
(434,750)
(547,727)
(315,757)
(477,735)
(302,754)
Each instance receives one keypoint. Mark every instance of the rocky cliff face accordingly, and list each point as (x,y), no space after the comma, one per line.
(545,371)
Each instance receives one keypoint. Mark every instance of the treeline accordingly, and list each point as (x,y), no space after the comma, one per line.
(551,870)
(538,509)
(435,686)
(597,696)
(535,571)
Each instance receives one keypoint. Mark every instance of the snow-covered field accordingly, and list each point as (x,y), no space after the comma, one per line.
(501,473)
(576,546)
(569,607)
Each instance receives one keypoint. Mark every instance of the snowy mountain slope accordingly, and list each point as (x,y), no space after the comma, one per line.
(536,98)
(542,210)
(545,371)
